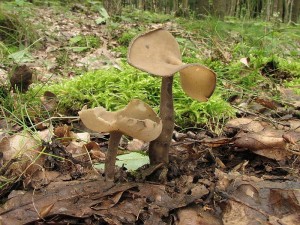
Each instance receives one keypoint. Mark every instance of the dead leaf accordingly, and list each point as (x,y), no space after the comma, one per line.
(63,133)
(94,149)
(199,190)
(108,202)
(291,137)
(291,97)
(215,142)
(268,103)
(246,124)
(245,61)
(76,148)
(83,137)
(195,216)
(258,141)
(49,101)
(46,210)
(136,144)
(250,200)
(3,76)
(292,219)
(236,213)
(19,145)
(41,178)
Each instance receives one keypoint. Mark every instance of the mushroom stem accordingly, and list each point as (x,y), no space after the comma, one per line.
(159,148)
(110,161)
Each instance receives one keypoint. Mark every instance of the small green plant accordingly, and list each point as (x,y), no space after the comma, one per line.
(145,17)
(294,84)
(62,58)
(17,35)
(82,43)
(14,30)
(127,36)
(5,98)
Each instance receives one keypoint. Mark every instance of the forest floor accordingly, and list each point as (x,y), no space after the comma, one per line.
(247,173)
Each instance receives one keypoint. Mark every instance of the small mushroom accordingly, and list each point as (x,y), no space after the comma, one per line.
(157,52)
(137,120)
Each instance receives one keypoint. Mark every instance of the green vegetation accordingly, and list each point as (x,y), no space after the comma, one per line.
(294,84)
(113,89)
(272,49)
(82,43)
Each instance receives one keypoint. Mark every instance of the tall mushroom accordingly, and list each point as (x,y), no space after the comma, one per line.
(157,52)
(137,120)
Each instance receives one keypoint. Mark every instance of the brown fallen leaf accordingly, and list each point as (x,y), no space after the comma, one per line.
(291,137)
(246,124)
(267,146)
(63,133)
(290,96)
(108,202)
(94,149)
(257,141)
(136,144)
(251,200)
(268,103)
(49,101)
(245,61)
(277,154)
(46,210)
(19,145)
(195,215)
(76,149)
(237,213)
(215,142)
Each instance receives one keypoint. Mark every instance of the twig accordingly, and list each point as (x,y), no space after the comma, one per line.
(56,118)
(34,206)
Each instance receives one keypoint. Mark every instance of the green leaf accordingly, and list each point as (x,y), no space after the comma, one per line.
(103,16)
(22,56)
(100,20)
(131,161)
(75,40)
(103,13)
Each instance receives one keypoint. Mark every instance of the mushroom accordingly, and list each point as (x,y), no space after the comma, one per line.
(157,52)
(137,120)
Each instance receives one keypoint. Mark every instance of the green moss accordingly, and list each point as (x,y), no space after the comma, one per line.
(294,85)
(126,37)
(113,89)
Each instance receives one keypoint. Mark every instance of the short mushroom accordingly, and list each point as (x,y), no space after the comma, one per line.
(157,52)
(137,120)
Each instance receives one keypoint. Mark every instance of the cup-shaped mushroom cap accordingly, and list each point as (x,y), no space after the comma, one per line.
(137,120)
(157,52)
(98,119)
(198,82)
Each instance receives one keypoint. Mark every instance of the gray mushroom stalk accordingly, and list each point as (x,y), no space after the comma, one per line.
(137,120)
(157,52)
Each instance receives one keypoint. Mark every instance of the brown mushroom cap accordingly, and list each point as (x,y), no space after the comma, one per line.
(137,120)
(157,52)
(198,82)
